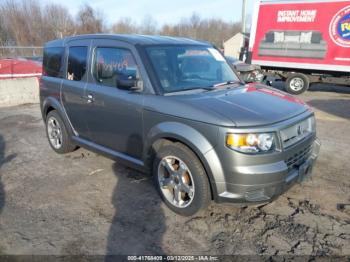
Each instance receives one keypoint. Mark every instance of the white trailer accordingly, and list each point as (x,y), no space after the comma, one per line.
(302,42)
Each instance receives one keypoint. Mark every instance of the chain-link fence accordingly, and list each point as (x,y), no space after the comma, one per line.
(21,51)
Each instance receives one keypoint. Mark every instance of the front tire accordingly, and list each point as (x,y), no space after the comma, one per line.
(57,134)
(181,179)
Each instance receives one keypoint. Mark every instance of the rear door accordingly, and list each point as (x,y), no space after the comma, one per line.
(74,83)
(115,113)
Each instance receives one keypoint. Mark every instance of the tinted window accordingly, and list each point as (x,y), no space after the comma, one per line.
(52,62)
(180,68)
(114,66)
(76,63)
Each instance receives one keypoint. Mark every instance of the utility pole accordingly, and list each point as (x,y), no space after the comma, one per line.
(242,52)
(244,5)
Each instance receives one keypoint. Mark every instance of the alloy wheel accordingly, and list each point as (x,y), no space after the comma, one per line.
(54,132)
(176,181)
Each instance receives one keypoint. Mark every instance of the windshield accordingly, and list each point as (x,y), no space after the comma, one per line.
(181,68)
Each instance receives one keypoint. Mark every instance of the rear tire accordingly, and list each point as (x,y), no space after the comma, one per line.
(181,179)
(297,83)
(57,134)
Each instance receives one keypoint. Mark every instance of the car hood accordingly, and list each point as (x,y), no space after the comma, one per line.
(252,105)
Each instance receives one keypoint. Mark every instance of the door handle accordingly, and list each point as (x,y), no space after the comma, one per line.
(90,99)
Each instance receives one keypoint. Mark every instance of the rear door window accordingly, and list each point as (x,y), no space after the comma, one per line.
(77,62)
(52,61)
(114,65)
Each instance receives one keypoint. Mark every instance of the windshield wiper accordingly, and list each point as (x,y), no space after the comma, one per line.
(226,83)
(207,88)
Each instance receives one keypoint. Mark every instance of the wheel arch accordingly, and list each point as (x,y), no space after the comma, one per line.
(172,132)
(50,104)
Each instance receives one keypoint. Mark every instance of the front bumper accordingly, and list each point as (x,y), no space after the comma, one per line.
(265,182)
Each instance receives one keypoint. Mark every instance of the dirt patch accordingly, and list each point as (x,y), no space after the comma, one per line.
(83,203)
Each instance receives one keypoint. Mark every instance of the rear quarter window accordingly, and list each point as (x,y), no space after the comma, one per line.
(52,61)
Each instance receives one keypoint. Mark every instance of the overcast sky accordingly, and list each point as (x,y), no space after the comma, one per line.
(163,11)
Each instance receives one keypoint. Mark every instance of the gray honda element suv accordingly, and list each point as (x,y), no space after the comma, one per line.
(174,107)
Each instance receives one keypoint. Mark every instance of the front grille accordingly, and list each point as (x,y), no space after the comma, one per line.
(299,158)
(297,132)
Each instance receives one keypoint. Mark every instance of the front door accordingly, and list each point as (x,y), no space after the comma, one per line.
(114,116)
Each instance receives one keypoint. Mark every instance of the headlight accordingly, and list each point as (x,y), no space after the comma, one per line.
(251,143)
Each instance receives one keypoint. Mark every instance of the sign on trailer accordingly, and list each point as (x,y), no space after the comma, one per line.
(312,34)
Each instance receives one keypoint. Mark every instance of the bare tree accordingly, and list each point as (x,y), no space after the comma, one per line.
(212,30)
(26,22)
(59,22)
(89,21)
(194,25)
(148,26)
(31,13)
(125,26)
(5,36)
(14,21)
(167,30)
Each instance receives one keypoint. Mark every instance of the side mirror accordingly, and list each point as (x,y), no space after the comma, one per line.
(129,83)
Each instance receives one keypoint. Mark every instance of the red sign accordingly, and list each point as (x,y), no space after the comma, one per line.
(302,34)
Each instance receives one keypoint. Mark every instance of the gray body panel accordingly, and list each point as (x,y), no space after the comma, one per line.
(114,118)
(125,124)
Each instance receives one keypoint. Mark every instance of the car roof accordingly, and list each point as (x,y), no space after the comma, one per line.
(131,39)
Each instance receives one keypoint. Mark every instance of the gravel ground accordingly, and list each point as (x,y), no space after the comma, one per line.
(83,203)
